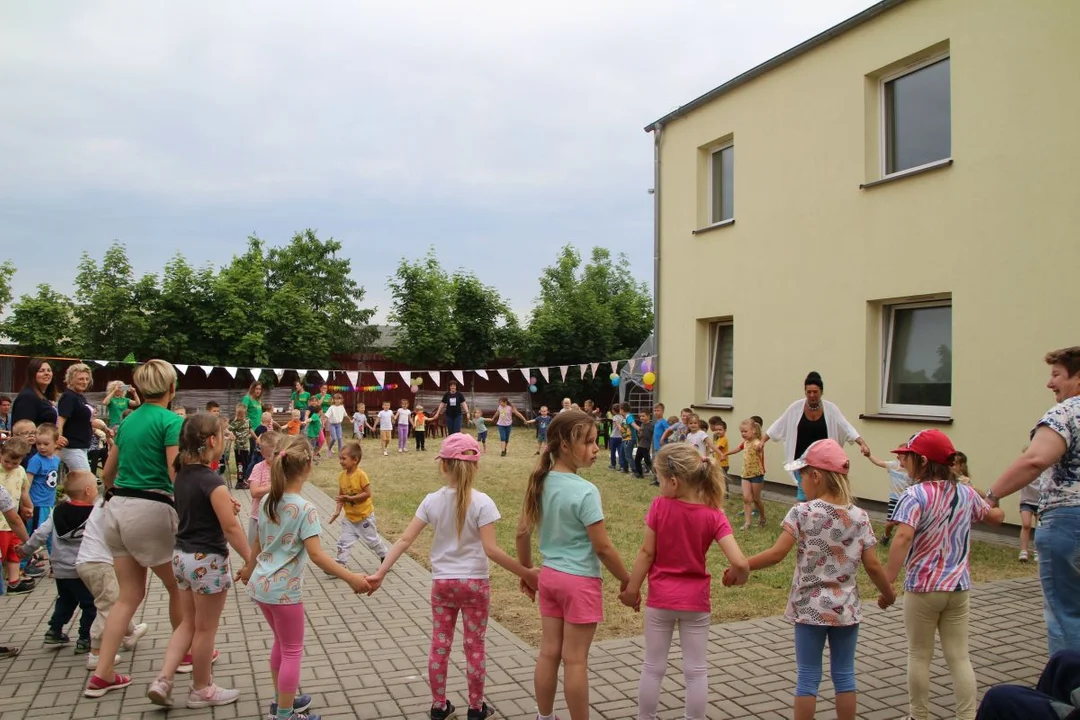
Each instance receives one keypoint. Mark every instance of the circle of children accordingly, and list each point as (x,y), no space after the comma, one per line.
(167,510)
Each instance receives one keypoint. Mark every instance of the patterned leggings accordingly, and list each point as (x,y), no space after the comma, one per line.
(472,598)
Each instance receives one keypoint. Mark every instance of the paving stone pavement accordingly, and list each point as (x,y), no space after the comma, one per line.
(367,657)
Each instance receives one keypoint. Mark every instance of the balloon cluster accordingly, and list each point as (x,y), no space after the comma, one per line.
(648,377)
(614,379)
(532,384)
(414,384)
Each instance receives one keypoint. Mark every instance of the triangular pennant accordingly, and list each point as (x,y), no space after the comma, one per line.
(563,369)
(207,369)
(354,377)
(594,367)
(436,376)
(256,373)
(505,375)
(279,373)
(130,359)
(102,363)
(182,369)
(459,375)
(301,375)
(525,373)
(321,374)
(406,376)
(614,366)
(380,376)
(631,363)
(544,373)
(231,371)
(481,373)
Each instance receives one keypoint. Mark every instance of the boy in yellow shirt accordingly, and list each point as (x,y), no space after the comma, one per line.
(354,498)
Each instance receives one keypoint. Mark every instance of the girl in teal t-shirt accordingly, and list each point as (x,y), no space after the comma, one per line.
(574,543)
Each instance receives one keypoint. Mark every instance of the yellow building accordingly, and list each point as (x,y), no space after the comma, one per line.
(894,203)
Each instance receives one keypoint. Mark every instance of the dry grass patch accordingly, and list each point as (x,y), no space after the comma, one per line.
(400,482)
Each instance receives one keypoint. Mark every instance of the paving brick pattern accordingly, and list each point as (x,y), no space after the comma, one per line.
(367,657)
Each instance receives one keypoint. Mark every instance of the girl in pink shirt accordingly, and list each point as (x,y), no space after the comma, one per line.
(680,527)
(259,479)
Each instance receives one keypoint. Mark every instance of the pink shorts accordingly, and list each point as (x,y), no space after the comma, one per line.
(577,600)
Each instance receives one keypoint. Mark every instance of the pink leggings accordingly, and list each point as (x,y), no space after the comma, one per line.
(287,622)
(402,437)
(694,638)
(472,598)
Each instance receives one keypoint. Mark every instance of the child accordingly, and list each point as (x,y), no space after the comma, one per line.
(629,435)
(898,483)
(44,471)
(419,423)
(718,428)
(64,527)
(27,430)
(9,509)
(565,508)
(643,459)
(933,540)
(335,415)
(680,527)
(404,416)
(274,574)
(13,480)
(206,527)
(240,428)
(293,426)
(259,480)
(359,422)
(386,426)
(313,428)
(753,476)
(481,428)
(504,420)
(1029,510)
(541,421)
(354,497)
(678,427)
(615,442)
(699,439)
(463,520)
(832,537)
(960,467)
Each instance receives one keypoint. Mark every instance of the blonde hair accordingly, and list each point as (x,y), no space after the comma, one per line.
(569,427)
(15,447)
(755,427)
(78,369)
(114,385)
(836,484)
(272,437)
(290,462)
(155,378)
(704,477)
(194,435)
(462,474)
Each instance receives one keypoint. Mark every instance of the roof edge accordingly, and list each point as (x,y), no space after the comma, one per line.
(776,61)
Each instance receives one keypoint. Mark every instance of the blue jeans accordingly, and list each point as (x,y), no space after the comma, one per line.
(336,436)
(1058,544)
(453,424)
(615,449)
(799,494)
(809,644)
(626,454)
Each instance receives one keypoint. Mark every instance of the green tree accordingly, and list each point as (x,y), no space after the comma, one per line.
(113,310)
(241,292)
(485,326)
(42,324)
(7,271)
(183,319)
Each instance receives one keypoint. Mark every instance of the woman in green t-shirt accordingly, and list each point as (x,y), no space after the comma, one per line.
(253,402)
(118,399)
(324,398)
(299,398)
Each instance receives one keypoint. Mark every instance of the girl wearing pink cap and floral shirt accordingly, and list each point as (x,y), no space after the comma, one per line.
(832,536)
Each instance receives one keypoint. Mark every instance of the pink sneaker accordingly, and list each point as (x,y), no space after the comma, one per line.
(97,687)
(211,696)
(160,692)
(186,666)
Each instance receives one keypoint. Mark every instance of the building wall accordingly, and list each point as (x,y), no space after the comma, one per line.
(811,257)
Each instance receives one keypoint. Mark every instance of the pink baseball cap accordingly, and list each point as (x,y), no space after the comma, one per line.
(933,445)
(459,446)
(824,455)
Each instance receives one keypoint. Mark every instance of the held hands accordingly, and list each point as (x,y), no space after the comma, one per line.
(631,599)
(236,506)
(885,600)
(532,580)
(245,573)
(359,583)
(735,577)
(526,590)
(373,583)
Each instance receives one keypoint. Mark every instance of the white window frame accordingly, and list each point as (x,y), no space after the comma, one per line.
(711,369)
(713,152)
(883,129)
(888,323)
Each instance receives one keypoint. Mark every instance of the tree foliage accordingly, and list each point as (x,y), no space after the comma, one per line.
(7,271)
(42,324)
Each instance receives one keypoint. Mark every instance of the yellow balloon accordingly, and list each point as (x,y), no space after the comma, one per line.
(649,378)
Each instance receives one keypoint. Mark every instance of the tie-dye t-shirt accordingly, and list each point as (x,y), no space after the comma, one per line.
(830,541)
(278,578)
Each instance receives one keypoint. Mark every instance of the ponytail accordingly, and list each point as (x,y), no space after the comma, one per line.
(194,435)
(289,463)
(568,428)
(531,510)
(463,473)
(703,475)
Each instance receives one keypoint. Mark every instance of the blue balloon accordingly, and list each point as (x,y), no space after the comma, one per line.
(615,381)
(532,388)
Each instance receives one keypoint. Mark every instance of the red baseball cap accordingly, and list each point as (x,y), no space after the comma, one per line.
(934,445)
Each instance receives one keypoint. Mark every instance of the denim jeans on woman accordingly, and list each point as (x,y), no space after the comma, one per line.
(1058,544)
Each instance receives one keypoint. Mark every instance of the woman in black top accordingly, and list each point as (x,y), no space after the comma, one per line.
(35,401)
(453,405)
(75,417)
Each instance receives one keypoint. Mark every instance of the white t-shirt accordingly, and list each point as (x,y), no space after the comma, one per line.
(93,547)
(454,558)
(403,416)
(386,419)
(697,439)
(335,414)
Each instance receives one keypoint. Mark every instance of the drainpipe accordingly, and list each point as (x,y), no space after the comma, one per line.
(658,132)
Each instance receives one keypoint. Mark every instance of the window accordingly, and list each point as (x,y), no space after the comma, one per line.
(917,116)
(721,366)
(722,184)
(918,359)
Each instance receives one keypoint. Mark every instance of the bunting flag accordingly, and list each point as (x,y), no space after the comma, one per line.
(324,374)
(631,363)
(504,374)
(459,375)
(525,373)
(563,370)
(256,373)
(103,363)
(594,367)
(379,376)
(436,376)
(544,374)
(406,376)
(583,367)
(130,359)
(231,371)
(354,377)
(614,366)
(279,373)
(301,375)
(481,373)
(207,369)
(182,369)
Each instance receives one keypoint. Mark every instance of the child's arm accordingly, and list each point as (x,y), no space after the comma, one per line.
(415,527)
(877,574)
(880,463)
(515,411)
(995,517)
(530,576)
(222,502)
(631,596)
(338,507)
(736,451)
(523,545)
(249,567)
(898,551)
(26,506)
(39,538)
(770,557)
(330,566)
(666,435)
(739,571)
(607,553)
(710,446)
(17,525)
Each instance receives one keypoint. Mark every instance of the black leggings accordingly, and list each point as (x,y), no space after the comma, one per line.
(643,460)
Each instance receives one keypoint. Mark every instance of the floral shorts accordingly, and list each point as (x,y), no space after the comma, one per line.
(203,573)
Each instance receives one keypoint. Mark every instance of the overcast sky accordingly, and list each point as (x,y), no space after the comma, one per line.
(497,131)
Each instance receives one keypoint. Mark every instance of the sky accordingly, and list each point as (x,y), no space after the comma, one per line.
(495,132)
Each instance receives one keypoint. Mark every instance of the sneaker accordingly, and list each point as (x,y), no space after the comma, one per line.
(385,452)
(186,666)
(300,716)
(34,571)
(1023,556)
(8,652)
(300,703)
(92,661)
(160,692)
(1034,556)
(400,450)
(211,696)
(132,640)
(97,687)
(24,585)
(82,646)
(484,712)
(446,713)
(55,637)
(503,453)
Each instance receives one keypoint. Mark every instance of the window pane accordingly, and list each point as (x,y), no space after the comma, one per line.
(918,118)
(920,367)
(722,383)
(723,184)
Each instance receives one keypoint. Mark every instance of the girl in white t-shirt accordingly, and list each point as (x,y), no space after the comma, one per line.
(335,416)
(699,438)
(464,523)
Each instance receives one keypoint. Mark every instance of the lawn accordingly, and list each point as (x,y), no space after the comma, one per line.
(399,483)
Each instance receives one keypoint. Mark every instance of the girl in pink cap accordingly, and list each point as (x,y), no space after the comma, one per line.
(463,519)
(833,536)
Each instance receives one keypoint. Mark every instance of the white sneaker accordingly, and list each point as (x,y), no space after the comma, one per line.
(132,640)
(211,696)
(1023,556)
(92,661)
(384,452)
